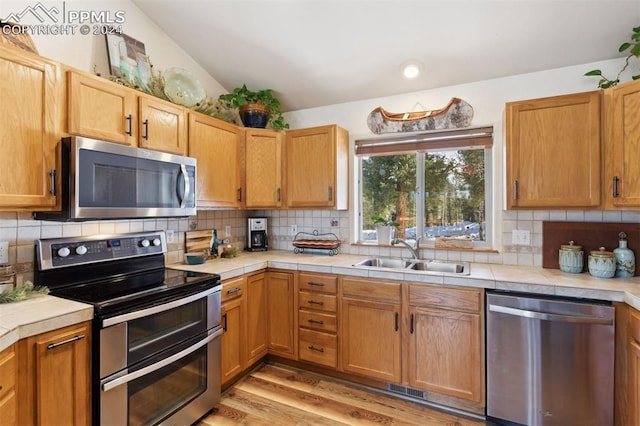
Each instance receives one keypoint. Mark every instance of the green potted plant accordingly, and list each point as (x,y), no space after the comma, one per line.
(385,228)
(634,51)
(256,109)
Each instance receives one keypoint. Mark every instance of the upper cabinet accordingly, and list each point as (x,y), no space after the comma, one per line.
(622,146)
(317,167)
(101,109)
(263,174)
(218,146)
(553,152)
(31,114)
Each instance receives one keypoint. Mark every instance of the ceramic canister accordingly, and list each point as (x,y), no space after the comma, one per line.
(625,259)
(571,258)
(602,263)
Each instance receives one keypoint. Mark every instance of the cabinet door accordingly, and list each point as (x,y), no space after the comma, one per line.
(445,353)
(553,152)
(370,339)
(256,318)
(100,109)
(263,175)
(281,313)
(634,383)
(162,126)
(317,167)
(622,145)
(8,399)
(219,149)
(57,377)
(30,117)
(233,351)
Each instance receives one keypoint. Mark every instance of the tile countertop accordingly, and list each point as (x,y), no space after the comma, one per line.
(39,314)
(489,276)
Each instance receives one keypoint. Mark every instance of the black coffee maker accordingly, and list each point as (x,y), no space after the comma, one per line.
(257,239)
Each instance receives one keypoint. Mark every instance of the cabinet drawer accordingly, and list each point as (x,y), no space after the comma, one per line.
(634,324)
(321,348)
(371,290)
(317,282)
(232,289)
(317,301)
(318,321)
(454,298)
(7,371)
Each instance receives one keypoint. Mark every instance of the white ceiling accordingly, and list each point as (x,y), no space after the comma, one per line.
(323,52)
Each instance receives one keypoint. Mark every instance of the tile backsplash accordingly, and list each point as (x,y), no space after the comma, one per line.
(21,230)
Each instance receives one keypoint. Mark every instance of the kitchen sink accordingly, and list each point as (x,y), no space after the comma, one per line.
(421,265)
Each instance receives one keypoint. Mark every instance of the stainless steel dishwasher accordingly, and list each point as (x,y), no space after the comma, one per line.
(549,360)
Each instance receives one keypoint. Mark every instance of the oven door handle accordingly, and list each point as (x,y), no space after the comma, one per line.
(107,386)
(157,309)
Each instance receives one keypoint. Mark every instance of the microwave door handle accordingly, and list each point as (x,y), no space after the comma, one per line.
(160,364)
(187,185)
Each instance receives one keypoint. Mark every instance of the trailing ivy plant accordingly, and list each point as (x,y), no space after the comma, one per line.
(634,50)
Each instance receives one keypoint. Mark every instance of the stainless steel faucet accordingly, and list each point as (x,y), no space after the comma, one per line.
(415,251)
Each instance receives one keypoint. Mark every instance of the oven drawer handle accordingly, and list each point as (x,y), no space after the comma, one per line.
(548,316)
(158,365)
(157,309)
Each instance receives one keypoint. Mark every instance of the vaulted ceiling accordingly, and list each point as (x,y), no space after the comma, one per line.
(323,52)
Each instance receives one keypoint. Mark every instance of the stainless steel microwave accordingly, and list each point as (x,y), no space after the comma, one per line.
(104,180)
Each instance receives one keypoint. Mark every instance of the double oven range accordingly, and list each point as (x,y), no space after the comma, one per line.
(156,331)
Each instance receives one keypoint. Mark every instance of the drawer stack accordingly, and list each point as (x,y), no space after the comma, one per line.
(317,303)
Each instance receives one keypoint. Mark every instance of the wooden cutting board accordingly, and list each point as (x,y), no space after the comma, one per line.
(198,241)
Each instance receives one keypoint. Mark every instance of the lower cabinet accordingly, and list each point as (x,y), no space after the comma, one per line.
(233,357)
(633,370)
(8,399)
(446,341)
(54,377)
(256,318)
(281,314)
(370,332)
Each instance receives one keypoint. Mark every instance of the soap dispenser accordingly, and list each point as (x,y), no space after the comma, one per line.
(625,259)
(214,243)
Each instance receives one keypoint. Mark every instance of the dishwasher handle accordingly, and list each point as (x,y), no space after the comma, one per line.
(545,316)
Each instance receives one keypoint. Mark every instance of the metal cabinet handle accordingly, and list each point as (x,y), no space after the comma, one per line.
(234,290)
(411,325)
(330,193)
(52,190)
(145,125)
(312,321)
(615,187)
(313,348)
(129,120)
(224,327)
(396,321)
(515,189)
(278,195)
(64,342)
(315,284)
(239,194)
(313,302)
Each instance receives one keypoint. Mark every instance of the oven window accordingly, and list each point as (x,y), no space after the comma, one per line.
(149,335)
(156,396)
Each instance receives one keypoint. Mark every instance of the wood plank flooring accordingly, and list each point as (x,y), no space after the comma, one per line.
(276,395)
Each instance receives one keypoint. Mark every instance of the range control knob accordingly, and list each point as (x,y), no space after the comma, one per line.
(144,243)
(64,251)
(81,250)
(156,242)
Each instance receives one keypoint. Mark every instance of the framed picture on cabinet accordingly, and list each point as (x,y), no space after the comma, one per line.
(128,58)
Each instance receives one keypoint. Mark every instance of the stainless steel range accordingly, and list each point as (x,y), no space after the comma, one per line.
(156,331)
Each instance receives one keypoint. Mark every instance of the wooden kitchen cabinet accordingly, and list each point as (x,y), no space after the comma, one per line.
(281,312)
(31,115)
(264,168)
(317,167)
(622,146)
(256,318)
(553,152)
(446,341)
(633,369)
(317,318)
(219,150)
(104,110)
(370,332)
(54,375)
(233,357)
(8,399)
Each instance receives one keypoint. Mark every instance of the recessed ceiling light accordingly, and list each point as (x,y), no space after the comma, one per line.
(411,69)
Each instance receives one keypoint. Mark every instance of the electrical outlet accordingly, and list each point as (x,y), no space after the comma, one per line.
(170,236)
(334,222)
(227,230)
(521,237)
(4,252)
(294,229)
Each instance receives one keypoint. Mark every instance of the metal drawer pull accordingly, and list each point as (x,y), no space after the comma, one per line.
(234,290)
(52,190)
(316,284)
(313,302)
(313,348)
(312,321)
(64,342)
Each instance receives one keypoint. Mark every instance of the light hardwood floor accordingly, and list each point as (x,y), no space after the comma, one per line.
(278,395)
